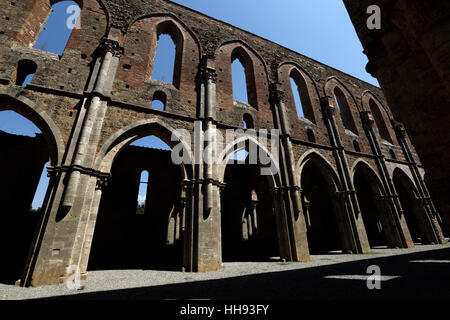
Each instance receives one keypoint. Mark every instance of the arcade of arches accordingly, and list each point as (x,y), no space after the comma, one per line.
(330,178)
(252,222)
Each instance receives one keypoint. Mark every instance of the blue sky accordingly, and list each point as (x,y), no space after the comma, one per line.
(321,30)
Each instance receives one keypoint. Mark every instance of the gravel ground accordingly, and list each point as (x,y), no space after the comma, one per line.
(142,284)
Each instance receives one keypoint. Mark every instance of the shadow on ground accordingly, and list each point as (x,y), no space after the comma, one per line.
(418,280)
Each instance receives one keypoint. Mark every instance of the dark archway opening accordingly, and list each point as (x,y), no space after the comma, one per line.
(320,211)
(408,202)
(23,157)
(248,217)
(135,230)
(371,208)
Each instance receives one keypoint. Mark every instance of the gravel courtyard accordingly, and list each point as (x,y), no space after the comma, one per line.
(418,273)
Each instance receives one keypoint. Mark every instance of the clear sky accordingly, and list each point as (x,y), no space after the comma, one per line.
(319,29)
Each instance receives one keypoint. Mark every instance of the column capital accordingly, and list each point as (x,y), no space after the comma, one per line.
(210,74)
(222,187)
(254,203)
(102,181)
(277,191)
(277,94)
(367,118)
(328,106)
(112,46)
(306,203)
(340,195)
(400,129)
(206,73)
(207,70)
(186,184)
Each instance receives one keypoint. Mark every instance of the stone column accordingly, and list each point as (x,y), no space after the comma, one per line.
(206,233)
(102,182)
(355,226)
(433,230)
(95,110)
(66,242)
(281,216)
(296,227)
(188,187)
(401,236)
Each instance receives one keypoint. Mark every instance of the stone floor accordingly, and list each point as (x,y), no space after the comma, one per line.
(418,273)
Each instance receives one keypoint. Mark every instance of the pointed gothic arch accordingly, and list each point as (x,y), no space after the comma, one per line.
(344,103)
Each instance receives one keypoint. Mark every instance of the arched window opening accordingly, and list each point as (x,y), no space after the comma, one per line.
(311,136)
(344,110)
(159,101)
(168,54)
(242,74)
(248,121)
(158,105)
(379,120)
(63,18)
(356,146)
(301,96)
(25,72)
(297,99)
(142,194)
(163,68)
(239,82)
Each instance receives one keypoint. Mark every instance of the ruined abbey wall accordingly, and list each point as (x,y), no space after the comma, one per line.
(95,99)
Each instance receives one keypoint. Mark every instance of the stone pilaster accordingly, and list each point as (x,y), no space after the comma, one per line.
(296,227)
(355,227)
(207,253)
(66,242)
(432,229)
(400,236)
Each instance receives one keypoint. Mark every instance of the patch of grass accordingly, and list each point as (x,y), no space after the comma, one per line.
(328,259)
(372,252)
